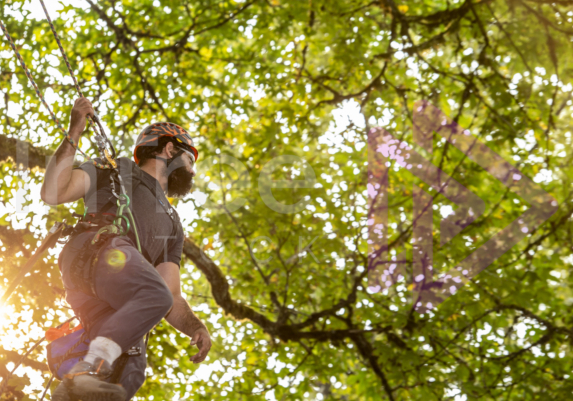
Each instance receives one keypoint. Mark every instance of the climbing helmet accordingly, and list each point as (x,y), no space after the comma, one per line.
(151,134)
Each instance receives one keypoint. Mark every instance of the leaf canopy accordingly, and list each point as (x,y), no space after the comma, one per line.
(280,277)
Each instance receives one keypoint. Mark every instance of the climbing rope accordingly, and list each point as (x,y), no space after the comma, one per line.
(54,118)
(63,53)
(101,138)
(47,387)
(23,64)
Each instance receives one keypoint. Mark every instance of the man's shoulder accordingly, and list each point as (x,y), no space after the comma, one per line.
(127,167)
(91,163)
(90,167)
(127,162)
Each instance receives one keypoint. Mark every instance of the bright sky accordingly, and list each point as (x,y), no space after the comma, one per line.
(54,8)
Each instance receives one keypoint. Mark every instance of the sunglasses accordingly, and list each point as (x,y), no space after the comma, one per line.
(190,154)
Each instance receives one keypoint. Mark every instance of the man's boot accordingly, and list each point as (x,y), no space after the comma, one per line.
(85,382)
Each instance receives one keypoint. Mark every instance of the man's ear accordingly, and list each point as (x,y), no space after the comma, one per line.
(169,149)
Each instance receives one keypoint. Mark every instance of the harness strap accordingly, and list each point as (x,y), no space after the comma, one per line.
(119,367)
(169,161)
(100,218)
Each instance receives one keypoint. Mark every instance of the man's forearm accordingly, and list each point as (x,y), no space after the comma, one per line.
(182,317)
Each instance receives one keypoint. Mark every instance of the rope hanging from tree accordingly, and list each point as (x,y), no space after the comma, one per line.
(101,139)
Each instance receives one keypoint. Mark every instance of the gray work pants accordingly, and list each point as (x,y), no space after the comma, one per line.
(130,288)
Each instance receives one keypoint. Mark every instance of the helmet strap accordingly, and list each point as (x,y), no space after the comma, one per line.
(169,161)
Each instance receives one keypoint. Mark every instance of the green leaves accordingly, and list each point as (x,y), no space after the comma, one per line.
(255,80)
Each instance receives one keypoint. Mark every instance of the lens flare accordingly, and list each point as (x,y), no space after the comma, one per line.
(115,259)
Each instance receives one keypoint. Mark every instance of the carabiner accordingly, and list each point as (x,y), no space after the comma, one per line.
(123,197)
(117,222)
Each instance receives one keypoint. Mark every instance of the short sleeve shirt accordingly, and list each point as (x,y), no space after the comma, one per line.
(158,226)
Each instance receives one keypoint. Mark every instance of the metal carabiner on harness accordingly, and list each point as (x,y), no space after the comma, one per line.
(103,143)
(109,229)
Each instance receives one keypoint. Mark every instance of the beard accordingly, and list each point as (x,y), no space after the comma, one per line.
(179,182)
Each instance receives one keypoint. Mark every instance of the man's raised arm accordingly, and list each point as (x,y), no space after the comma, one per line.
(61,183)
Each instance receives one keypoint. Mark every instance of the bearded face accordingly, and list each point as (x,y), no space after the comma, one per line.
(180,176)
(179,182)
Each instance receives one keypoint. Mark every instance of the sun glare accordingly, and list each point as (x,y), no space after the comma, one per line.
(4,316)
(4,320)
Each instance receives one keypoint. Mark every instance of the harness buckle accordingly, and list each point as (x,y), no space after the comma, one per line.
(134,351)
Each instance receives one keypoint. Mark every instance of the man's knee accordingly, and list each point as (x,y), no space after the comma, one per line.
(163,299)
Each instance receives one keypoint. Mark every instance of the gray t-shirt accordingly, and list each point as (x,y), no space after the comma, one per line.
(161,236)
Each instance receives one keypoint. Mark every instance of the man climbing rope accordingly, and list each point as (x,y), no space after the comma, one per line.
(119,293)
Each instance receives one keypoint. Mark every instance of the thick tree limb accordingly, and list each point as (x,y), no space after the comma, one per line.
(220,291)
(22,152)
(220,288)
(14,356)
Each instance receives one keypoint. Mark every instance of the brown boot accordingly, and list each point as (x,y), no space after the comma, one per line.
(85,382)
